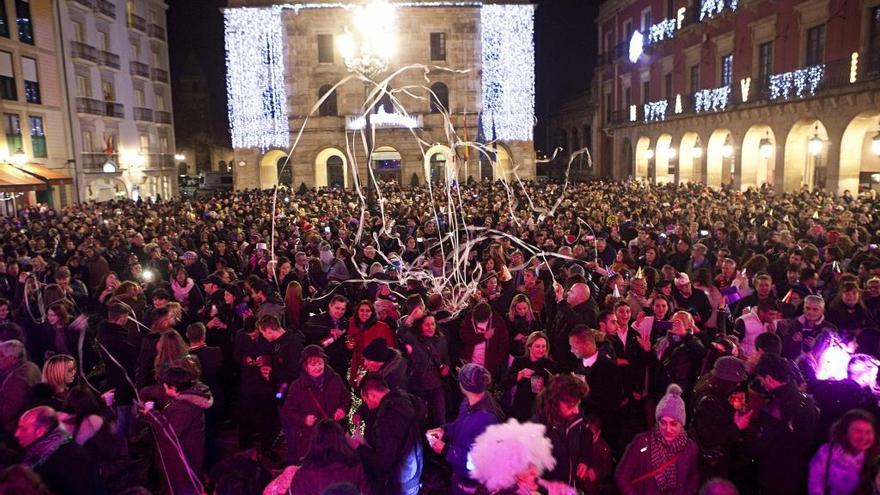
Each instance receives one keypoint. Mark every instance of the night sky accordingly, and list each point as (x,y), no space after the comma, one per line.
(565,43)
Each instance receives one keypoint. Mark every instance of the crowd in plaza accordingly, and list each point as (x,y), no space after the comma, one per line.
(489,338)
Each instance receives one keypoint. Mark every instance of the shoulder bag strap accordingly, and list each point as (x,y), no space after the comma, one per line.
(657,471)
(317,404)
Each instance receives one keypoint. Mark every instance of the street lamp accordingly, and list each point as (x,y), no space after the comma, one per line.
(766,146)
(816,144)
(697,150)
(649,154)
(727,149)
(671,153)
(19,158)
(367,51)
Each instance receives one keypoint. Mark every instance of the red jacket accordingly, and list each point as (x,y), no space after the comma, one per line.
(362,339)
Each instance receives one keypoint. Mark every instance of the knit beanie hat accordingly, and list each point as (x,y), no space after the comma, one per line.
(474,378)
(312,351)
(671,405)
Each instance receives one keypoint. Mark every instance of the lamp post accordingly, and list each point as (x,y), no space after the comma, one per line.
(367,50)
(815,146)
(727,153)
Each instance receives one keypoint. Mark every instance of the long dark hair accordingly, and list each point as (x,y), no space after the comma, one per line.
(328,446)
(838,435)
(562,388)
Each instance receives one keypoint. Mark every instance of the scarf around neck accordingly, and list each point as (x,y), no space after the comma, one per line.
(40,451)
(661,452)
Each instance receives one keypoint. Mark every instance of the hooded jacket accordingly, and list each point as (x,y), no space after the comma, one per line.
(14,387)
(180,422)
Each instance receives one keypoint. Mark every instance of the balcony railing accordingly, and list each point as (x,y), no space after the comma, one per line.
(86,3)
(83,51)
(95,161)
(109,59)
(139,69)
(162,117)
(157,31)
(137,22)
(106,8)
(838,76)
(159,75)
(90,106)
(143,114)
(113,109)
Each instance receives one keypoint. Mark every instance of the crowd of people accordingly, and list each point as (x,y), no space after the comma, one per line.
(489,338)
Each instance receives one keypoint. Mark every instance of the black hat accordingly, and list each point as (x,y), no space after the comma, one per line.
(311,351)
(378,351)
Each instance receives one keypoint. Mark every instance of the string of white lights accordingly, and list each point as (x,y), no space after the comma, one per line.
(508,57)
(712,100)
(801,82)
(656,110)
(713,8)
(662,30)
(255,78)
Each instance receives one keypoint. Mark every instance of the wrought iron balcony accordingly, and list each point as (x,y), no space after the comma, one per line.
(159,75)
(157,31)
(90,106)
(109,59)
(162,117)
(113,109)
(106,8)
(143,114)
(137,22)
(83,51)
(139,69)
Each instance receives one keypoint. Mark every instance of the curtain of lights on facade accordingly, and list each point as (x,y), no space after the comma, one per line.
(255,71)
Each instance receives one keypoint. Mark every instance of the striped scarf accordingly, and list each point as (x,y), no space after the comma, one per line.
(661,451)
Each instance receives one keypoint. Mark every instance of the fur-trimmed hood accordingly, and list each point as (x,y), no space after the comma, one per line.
(199,395)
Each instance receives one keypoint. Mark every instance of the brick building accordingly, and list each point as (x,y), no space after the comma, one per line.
(740,92)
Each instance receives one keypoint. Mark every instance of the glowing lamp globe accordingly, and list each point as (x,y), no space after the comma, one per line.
(815,145)
(671,153)
(649,154)
(697,152)
(727,150)
(766,148)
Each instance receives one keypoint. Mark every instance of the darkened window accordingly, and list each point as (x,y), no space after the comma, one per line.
(667,86)
(7,77)
(609,107)
(765,61)
(13,132)
(670,9)
(646,20)
(31,80)
(328,107)
(385,102)
(38,137)
(325,48)
(4,21)
(25,26)
(646,91)
(440,98)
(815,45)
(695,78)
(627,98)
(438,46)
(335,172)
(727,70)
(628,30)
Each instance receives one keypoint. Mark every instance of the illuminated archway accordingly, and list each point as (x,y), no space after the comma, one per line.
(665,155)
(690,158)
(106,189)
(438,164)
(387,165)
(720,157)
(758,163)
(644,155)
(269,168)
(327,165)
(805,165)
(859,165)
(503,168)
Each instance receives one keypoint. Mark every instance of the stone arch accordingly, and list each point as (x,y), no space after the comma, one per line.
(856,154)
(802,167)
(758,163)
(690,158)
(664,156)
(438,164)
(106,189)
(326,168)
(718,162)
(269,168)
(387,165)
(503,168)
(644,155)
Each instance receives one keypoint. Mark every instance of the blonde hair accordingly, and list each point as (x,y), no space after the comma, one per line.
(687,320)
(55,371)
(535,336)
(520,298)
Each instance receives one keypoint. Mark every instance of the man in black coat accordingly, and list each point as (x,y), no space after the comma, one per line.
(695,302)
(65,467)
(603,379)
(120,357)
(782,432)
(391,449)
(328,330)
(284,348)
(574,308)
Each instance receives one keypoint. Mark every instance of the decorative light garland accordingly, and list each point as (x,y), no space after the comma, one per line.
(678,107)
(662,30)
(713,8)
(802,81)
(383,119)
(633,113)
(508,83)
(655,111)
(854,67)
(744,86)
(255,85)
(712,100)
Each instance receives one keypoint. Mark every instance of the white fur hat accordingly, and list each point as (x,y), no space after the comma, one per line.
(504,450)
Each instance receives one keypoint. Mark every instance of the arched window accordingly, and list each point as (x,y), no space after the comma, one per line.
(440,98)
(575,141)
(385,103)
(285,172)
(335,172)
(438,167)
(328,107)
(563,140)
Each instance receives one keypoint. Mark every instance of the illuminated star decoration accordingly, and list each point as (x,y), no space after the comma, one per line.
(713,8)
(802,81)
(508,59)
(662,30)
(636,46)
(255,78)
